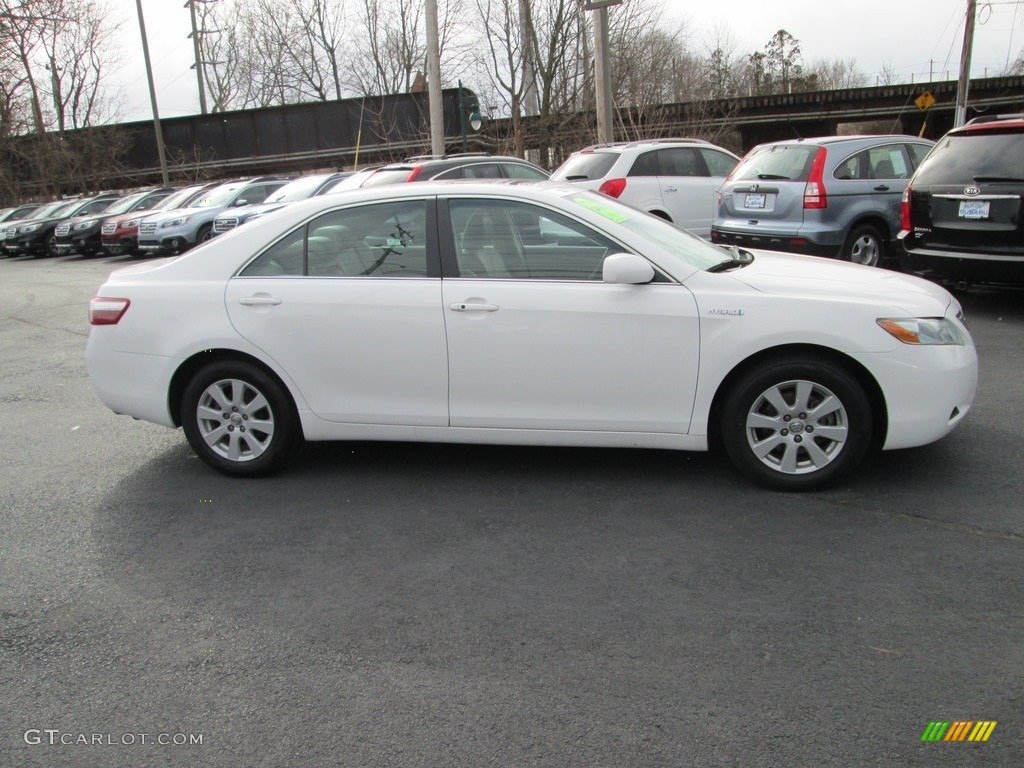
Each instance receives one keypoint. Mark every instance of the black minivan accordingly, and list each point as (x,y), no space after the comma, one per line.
(961,218)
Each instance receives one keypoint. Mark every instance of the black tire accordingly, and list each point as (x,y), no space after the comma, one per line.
(51,245)
(864,245)
(205,233)
(238,419)
(771,433)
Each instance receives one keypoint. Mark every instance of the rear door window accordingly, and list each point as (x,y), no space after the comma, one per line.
(718,163)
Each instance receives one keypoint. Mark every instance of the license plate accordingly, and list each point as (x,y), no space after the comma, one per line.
(751,200)
(974,209)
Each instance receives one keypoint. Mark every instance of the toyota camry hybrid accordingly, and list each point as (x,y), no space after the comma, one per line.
(528,314)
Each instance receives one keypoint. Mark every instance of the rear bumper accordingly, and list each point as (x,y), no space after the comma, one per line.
(808,243)
(129,383)
(958,266)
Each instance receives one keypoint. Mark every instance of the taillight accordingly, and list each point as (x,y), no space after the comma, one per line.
(905,210)
(613,187)
(104,311)
(415,172)
(814,190)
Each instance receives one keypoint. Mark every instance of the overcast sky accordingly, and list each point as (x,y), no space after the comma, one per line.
(910,37)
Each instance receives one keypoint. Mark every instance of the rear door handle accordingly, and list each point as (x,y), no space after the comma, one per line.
(465,306)
(255,301)
(881,188)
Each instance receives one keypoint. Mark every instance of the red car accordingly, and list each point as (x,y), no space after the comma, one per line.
(120,234)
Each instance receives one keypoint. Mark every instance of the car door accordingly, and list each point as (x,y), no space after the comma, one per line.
(349,308)
(891,169)
(687,191)
(537,341)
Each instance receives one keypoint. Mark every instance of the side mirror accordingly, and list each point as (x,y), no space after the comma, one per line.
(627,269)
(241,202)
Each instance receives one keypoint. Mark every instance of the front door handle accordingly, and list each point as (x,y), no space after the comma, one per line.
(467,306)
(256,301)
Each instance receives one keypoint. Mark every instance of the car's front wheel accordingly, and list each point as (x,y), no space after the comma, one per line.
(238,419)
(796,424)
(864,245)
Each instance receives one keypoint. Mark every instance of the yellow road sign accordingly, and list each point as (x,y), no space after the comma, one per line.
(924,101)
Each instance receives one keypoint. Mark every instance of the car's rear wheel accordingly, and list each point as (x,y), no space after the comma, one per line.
(864,245)
(205,233)
(238,419)
(796,424)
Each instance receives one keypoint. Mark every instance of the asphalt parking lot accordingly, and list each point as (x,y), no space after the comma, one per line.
(424,605)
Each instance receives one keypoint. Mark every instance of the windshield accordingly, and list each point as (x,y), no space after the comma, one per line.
(218,197)
(688,248)
(178,199)
(300,189)
(61,210)
(125,203)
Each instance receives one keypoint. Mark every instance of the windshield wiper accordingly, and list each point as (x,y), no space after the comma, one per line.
(737,259)
(576,177)
(773,176)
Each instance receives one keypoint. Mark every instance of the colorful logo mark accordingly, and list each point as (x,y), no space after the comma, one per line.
(958,730)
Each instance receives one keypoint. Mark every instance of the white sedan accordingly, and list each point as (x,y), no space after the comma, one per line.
(527,314)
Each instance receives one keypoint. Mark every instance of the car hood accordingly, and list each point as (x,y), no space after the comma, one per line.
(783,274)
(245,211)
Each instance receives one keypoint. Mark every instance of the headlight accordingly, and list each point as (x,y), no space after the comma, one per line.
(923,330)
(175,222)
(129,224)
(86,224)
(30,228)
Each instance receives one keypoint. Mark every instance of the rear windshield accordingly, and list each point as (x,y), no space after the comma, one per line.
(387,176)
(974,157)
(584,167)
(779,162)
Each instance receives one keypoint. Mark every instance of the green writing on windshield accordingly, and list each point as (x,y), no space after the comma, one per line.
(600,208)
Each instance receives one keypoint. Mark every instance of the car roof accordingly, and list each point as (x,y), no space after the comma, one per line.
(644,143)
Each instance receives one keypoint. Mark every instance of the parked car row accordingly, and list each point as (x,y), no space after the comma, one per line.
(951,211)
(164,221)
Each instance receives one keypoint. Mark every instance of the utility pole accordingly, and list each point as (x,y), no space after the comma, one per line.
(196,47)
(152,98)
(602,69)
(964,83)
(531,99)
(434,80)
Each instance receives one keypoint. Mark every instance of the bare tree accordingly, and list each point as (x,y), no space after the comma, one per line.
(79,47)
(836,74)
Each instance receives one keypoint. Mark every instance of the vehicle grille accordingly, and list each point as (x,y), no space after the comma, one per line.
(10,232)
(109,228)
(148,228)
(223,225)
(62,230)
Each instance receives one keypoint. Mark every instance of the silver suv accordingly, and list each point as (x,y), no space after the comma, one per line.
(676,179)
(836,196)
